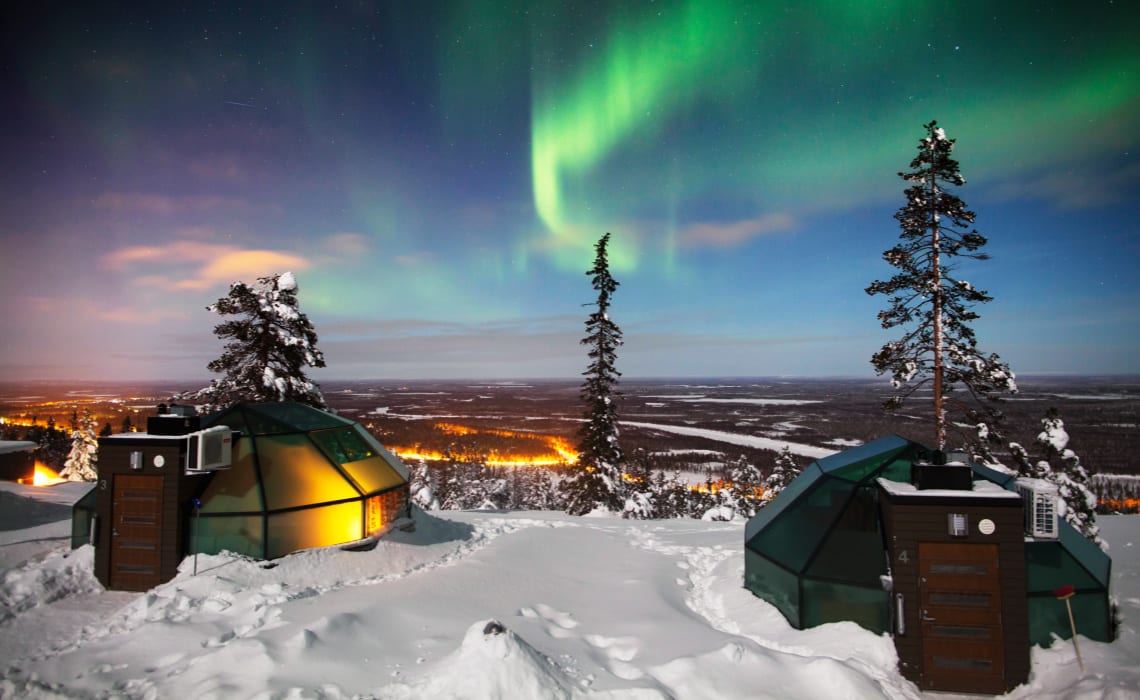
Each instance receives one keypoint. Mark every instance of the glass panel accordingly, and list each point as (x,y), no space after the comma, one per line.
(374,475)
(1049,566)
(295,473)
(240,418)
(898,470)
(960,569)
(238,534)
(962,600)
(82,514)
(1087,554)
(235,490)
(771,583)
(1048,616)
(390,458)
(960,632)
(1003,479)
(831,602)
(314,527)
(858,462)
(785,500)
(342,445)
(793,538)
(971,664)
(853,550)
(298,416)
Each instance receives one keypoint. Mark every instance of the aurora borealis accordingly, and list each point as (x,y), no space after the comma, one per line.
(437,174)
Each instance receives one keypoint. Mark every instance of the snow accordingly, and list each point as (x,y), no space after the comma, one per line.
(753,402)
(756,441)
(287,281)
(586,608)
(981,489)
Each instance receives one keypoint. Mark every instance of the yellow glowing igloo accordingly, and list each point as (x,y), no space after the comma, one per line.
(300,477)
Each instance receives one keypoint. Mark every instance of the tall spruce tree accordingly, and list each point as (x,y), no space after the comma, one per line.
(271,342)
(599,483)
(938,346)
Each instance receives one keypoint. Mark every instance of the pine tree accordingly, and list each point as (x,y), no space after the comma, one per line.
(80,464)
(783,473)
(940,346)
(1072,479)
(639,495)
(599,484)
(747,482)
(54,444)
(271,342)
(422,488)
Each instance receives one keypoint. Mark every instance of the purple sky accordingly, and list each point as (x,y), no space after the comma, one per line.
(436,174)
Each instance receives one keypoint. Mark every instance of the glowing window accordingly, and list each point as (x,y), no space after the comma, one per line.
(314,527)
(295,473)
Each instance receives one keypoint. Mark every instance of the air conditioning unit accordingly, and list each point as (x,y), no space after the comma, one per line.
(209,449)
(1040,500)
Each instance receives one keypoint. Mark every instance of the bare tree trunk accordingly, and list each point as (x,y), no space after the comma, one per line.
(936,273)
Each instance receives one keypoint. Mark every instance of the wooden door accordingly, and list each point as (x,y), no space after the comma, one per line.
(136,532)
(960,612)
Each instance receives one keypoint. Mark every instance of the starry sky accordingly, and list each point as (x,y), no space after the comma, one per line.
(437,173)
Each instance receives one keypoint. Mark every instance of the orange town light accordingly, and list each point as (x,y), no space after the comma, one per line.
(44,475)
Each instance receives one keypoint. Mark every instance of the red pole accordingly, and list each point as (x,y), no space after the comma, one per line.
(1065,593)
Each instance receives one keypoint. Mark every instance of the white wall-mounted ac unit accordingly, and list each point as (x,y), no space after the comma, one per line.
(209,449)
(1040,500)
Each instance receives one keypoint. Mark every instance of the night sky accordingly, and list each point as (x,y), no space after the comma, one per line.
(437,173)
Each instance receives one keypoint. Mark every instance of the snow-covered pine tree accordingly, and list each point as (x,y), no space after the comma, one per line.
(783,473)
(80,464)
(639,496)
(598,484)
(938,345)
(271,343)
(1078,502)
(422,489)
(541,490)
(747,482)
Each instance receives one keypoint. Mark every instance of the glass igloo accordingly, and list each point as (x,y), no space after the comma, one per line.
(300,477)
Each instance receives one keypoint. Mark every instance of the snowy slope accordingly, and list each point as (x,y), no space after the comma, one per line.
(588,608)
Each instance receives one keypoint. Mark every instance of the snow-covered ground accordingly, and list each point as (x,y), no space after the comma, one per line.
(587,608)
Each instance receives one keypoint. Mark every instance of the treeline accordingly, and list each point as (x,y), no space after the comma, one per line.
(647,492)
(1116,493)
(53,442)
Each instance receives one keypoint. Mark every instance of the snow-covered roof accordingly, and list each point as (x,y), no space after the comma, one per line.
(981,489)
(7,446)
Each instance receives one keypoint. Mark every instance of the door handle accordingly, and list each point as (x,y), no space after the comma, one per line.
(927,618)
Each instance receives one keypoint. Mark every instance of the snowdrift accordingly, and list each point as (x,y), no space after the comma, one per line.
(473,605)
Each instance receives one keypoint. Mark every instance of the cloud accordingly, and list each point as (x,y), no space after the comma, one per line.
(165,205)
(241,265)
(1071,189)
(733,234)
(196,265)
